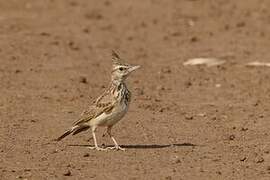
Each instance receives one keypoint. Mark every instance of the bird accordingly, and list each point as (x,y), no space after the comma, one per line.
(109,108)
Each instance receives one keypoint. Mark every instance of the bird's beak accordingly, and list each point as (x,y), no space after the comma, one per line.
(133,68)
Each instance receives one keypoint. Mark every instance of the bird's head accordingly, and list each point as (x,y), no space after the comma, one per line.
(120,70)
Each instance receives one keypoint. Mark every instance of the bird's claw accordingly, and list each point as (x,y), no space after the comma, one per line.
(116,148)
(97,148)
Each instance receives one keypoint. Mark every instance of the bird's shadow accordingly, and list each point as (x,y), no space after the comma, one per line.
(142,146)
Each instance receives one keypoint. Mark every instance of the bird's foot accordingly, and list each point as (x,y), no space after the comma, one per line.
(97,148)
(116,148)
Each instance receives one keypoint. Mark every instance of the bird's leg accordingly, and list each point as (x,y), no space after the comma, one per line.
(95,141)
(116,146)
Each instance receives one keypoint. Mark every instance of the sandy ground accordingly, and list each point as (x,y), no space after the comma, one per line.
(185,122)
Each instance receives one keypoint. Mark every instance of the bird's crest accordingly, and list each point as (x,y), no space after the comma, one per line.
(117,61)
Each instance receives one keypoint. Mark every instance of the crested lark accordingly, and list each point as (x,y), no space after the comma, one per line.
(108,108)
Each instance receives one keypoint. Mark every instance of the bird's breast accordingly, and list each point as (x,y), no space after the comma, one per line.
(111,118)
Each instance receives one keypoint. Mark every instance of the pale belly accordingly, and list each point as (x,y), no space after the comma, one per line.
(110,119)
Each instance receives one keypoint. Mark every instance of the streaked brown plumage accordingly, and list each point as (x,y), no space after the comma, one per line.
(108,108)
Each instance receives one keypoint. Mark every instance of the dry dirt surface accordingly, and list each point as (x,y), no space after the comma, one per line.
(184,122)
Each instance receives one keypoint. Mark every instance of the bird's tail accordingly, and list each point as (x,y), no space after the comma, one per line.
(74,130)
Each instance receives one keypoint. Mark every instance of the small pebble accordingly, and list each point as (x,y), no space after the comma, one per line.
(176,160)
(218,85)
(191,23)
(232,137)
(166,70)
(83,80)
(67,173)
(243,158)
(259,160)
(188,117)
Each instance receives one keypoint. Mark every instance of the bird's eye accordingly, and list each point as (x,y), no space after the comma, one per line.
(121,69)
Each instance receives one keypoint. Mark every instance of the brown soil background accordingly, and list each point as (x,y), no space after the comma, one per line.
(180,125)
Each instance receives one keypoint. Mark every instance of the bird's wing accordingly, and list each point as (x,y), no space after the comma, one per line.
(104,103)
